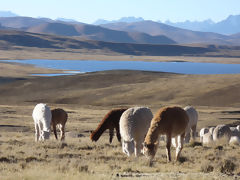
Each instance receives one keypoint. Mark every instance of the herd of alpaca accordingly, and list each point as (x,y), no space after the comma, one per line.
(138,130)
(44,118)
(214,134)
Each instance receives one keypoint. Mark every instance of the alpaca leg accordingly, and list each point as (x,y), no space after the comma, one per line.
(194,128)
(40,127)
(168,146)
(180,145)
(37,133)
(62,130)
(174,142)
(137,149)
(118,134)
(111,133)
(55,130)
(187,137)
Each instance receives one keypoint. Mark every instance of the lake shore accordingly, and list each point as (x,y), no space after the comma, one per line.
(38,53)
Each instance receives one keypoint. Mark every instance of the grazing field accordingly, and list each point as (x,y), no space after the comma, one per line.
(78,157)
(87,98)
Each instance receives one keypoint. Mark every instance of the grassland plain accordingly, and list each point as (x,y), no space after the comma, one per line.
(87,98)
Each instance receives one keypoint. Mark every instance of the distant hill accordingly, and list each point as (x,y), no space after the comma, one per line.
(99,33)
(230,25)
(182,36)
(123,19)
(141,32)
(22,22)
(7,14)
(192,25)
(16,39)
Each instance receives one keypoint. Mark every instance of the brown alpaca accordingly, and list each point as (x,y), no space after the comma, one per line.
(59,117)
(169,121)
(110,121)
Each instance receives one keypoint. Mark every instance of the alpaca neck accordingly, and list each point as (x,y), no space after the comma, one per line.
(152,135)
(99,131)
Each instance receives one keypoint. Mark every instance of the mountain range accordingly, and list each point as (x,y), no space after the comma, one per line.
(139,31)
(130,19)
(230,25)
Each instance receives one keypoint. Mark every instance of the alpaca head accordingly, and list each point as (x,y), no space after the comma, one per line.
(128,147)
(149,150)
(46,135)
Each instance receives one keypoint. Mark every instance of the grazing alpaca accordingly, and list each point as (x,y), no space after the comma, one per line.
(59,118)
(110,121)
(211,129)
(207,138)
(234,140)
(192,124)
(202,132)
(169,121)
(222,131)
(134,124)
(42,119)
(235,131)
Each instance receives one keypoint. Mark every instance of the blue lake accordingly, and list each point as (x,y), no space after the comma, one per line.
(82,66)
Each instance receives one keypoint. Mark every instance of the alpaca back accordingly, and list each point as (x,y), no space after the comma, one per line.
(42,114)
(134,123)
(59,116)
(167,121)
(111,119)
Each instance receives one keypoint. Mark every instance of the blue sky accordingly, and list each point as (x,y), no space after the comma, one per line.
(89,11)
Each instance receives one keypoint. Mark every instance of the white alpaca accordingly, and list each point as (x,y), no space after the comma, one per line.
(42,117)
(222,131)
(134,124)
(202,132)
(211,129)
(192,124)
(238,127)
(207,138)
(235,131)
(234,140)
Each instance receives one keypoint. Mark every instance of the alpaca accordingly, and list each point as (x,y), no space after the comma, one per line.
(110,121)
(134,124)
(59,118)
(222,131)
(234,140)
(170,121)
(235,131)
(207,138)
(238,127)
(42,117)
(202,132)
(211,129)
(192,125)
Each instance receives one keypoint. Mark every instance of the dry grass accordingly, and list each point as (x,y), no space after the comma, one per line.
(79,158)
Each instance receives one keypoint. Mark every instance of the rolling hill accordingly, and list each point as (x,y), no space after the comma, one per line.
(182,36)
(99,33)
(141,32)
(18,39)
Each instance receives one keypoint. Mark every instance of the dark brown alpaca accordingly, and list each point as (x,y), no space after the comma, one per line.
(110,121)
(59,117)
